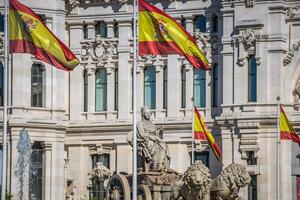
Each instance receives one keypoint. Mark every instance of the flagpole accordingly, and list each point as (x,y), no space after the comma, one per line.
(193,130)
(5,91)
(278,149)
(134,160)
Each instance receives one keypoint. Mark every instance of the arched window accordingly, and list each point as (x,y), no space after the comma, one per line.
(252,79)
(165,98)
(85,91)
(215,85)
(200,23)
(36,172)
(101,90)
(200,87)
(183,87)
(37,85)
(150,87)
(101,29)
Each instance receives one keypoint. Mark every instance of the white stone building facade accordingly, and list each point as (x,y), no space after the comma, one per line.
(76,119)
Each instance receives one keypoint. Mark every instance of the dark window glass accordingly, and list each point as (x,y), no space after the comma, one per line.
(252,79)
(214,24)
(203,157)
(200,23)
(215,86)
(251,160)
(37,85)
(1,23)
(183,87)
(150,87)
(116,29)
(36,172)
(116,88)
(252,188)
(85,31)
(85,91)
(165,98)
(101,90)
(97,191)
(183,22)
(101,29)
(200,87)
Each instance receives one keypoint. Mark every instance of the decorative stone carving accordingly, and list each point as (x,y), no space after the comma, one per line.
(290,55)
(100,53)
(153,152)
(69,182)
(152,60)
(290,13)
(227,185)
(296,93)
(74,3)
(204,42)
(194,184)
(100,171)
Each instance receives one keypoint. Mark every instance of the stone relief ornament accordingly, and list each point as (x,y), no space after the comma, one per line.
(290,13)
(100,171)
(249,3)
(194,184)
(290,55)
(204,43)
(227,185)
(296,93)
(159,62)
(99,52)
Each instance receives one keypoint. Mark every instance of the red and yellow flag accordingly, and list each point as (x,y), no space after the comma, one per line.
(202,133)
(160,34)
(287,131)
(29,34)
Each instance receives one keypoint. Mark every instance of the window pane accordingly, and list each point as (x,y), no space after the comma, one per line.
(37,85)
(203,157)
(101,90)
(149,87)
(200,87)
(101,29)
(165,98)
(215,86)
(183,87)
(116,89)
(200,23)
(36,172)
(252,80)
(85,92)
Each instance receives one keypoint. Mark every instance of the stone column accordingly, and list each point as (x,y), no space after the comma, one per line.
(47,166)
(124,105)
(189,88)
(159,68)
(110,28)
(189,24)
(91,30)
(173,87)
(110,91)
(91,89)
(76,35)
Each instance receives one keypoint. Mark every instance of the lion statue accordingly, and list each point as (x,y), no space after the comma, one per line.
(194,184)
(227,185)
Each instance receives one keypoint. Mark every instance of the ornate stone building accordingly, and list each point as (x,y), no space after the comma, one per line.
(78,121)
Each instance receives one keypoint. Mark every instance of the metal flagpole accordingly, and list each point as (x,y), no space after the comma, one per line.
(278,149)
(5,93)
(193,130)
(134,160)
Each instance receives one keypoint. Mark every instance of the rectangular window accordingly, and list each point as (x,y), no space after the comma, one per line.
(203,156)
(200,23)
(165,98)
(85,91)
(215,85)
(101,29)
(101,90)
(252,79)
(1,23)
(103,158)
(37,85)
(252,188)
(183,87)
(116,89)
(214,23)
(200,87)
(150,87)
(251,158)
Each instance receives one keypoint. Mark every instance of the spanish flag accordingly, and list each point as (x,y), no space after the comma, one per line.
(287,132)
(201,133)
(160,34)
(29,34)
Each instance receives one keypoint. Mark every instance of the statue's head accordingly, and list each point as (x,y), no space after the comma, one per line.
(146,113)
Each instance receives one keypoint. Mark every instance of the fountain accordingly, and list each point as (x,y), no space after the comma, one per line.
(24,149)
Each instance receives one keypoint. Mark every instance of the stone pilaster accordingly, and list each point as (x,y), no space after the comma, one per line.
(76,35)
(159,68)
(91,30)
(91,89)
(173,87)
(110,71)
(47,166)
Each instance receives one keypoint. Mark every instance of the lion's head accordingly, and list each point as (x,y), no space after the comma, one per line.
(236,175)
(197,177)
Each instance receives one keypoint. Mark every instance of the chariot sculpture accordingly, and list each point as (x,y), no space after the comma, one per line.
(157,181)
